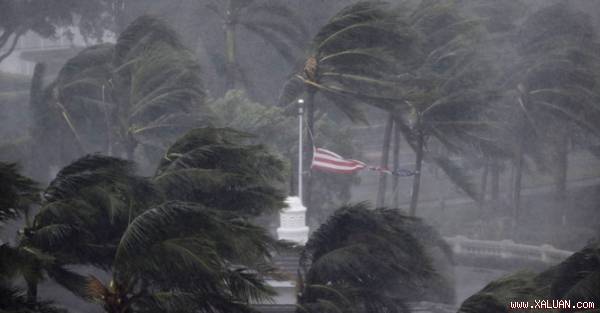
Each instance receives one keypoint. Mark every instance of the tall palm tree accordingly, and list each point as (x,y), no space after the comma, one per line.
(351,63)
(446,94)
(364,260)
(557,84)
(158,87)
(144,91)
(274,22)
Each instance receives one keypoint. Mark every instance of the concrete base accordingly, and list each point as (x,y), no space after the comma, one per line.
(293,222)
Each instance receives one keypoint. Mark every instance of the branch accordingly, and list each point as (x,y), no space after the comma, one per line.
(12,47)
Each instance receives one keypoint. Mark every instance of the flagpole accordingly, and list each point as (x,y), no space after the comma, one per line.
(300,124)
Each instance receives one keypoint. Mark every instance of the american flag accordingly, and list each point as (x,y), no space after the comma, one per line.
(329,161)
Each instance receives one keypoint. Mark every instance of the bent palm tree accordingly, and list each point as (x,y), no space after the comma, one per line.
(447,93)
(367,261)
(88,205)
(166,248)
(144,91)
(352,61)
(17,194)
(184,256)
(575,279)
(212,167)
(557,83)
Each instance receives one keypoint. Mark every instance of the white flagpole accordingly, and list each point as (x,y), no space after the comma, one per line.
(300,128)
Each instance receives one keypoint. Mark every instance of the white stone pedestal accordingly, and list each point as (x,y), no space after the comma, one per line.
(292,219)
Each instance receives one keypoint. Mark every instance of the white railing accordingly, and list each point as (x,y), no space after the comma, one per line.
(506,249)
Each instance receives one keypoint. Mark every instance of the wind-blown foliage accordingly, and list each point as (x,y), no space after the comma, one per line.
(559,72)
(210,166)
(88,205)
(235,110)
(142,92)
(185,256)
(170,244)
(12,300)
(551,85)
(364,260)
(17,192)
(352,60)
(575,279)
(446,95)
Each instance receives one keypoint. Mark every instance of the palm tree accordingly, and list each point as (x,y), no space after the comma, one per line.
(557,84)
(271,21)
(575,279)
(17,192)
(447,92)
(364,260)
(238,111)
(500,20)
(351,63)
(187,217)
(495,295)
(158,87)
(89,204)
(184,256)
(144,91)
(211,166)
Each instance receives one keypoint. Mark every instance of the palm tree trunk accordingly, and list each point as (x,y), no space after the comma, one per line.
(561,176)
(396,161)
(517,183)
(495,171)
(32,291)
(417,178)
(230,47)
(385,155)
(484,179)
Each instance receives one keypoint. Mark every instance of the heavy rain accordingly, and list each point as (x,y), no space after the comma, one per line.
(306,156)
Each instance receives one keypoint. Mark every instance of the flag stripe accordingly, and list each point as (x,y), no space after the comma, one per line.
(338,162)
(337,171)
(338,166)
(331,153)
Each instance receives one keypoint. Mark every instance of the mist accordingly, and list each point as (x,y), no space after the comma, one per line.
(150,155)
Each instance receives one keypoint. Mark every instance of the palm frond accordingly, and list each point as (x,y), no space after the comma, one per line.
(17,192)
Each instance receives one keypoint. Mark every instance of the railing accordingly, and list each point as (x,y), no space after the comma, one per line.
(464,247)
